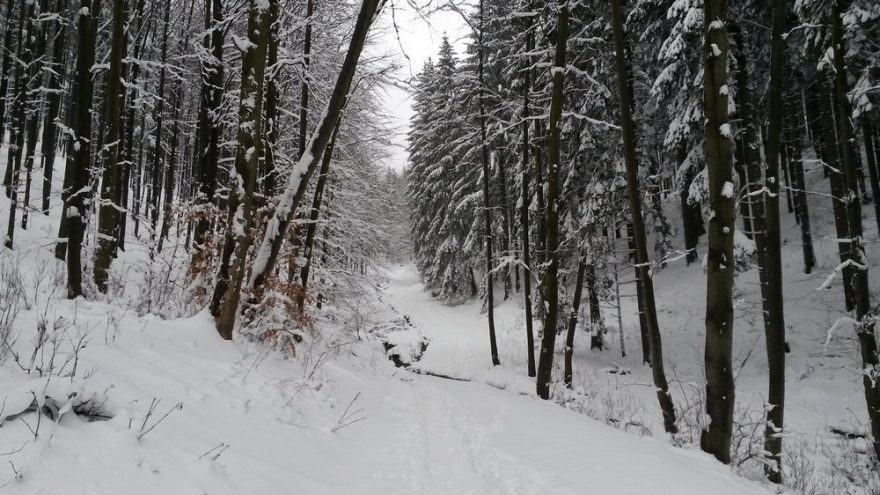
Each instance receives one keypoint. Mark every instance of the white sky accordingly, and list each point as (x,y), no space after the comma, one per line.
(418,39)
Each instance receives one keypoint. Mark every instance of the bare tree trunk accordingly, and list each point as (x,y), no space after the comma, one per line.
(573,319)
(108,215)
(487,205)
(314,214)
(308,163)
(715,439)
(158,152)
(224,304)
(5,66)
(78,157)
(857,259)
(774,319)
(870,158)
(526,198)
(303,120)
(637,227)
(793,138)
(19,117)
(550,281)
(213,80)
(54,79)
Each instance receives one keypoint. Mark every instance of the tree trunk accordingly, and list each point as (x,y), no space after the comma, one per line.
(308,163)
(526,198)
(314,214)
(79,146)
(691,216)
(870,159)
(715,439)
(213,80)
(793,138)
(108,215)
(303,119)
(487,205)
(19,117)
(5,66)
(829,152)
(774,319)
(237,240)
(637,228)
(864,312)
(550,281)
(573,319)
(54,79)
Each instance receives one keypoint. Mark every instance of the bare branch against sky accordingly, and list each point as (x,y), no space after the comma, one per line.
(413,34)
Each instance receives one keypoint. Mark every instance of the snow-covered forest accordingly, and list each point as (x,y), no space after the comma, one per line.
(630,251)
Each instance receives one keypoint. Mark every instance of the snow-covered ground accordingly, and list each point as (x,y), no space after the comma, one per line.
(180,411)
(176,410)
(241,419)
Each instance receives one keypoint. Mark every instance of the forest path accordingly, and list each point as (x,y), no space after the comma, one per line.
(469,437)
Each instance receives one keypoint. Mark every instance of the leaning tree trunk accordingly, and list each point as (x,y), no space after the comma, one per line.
(857,259)
(108,214)
(715,438)
(550,281)
(299,177)
(526,198)
(237,241)
(642,263)
(487,206)
(314,214)
(774,319)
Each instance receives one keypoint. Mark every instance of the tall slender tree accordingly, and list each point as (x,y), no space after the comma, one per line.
(720,396)
(550,281)
(108,214)
(642,263)
(774,319)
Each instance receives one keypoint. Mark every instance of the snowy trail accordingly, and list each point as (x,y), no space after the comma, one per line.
(473,438)
(459,345)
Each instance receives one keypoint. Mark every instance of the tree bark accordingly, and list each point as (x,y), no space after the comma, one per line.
(715,439)
(54,79)
(870,159)
(774,319)
(864,312)
(637,227)
(793,138)
(237,242)
(108,214)
(526,198)
(550,281)
(573,319)
(487,205)
(213,80)
(267,254)
(314,214)
(79,146)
